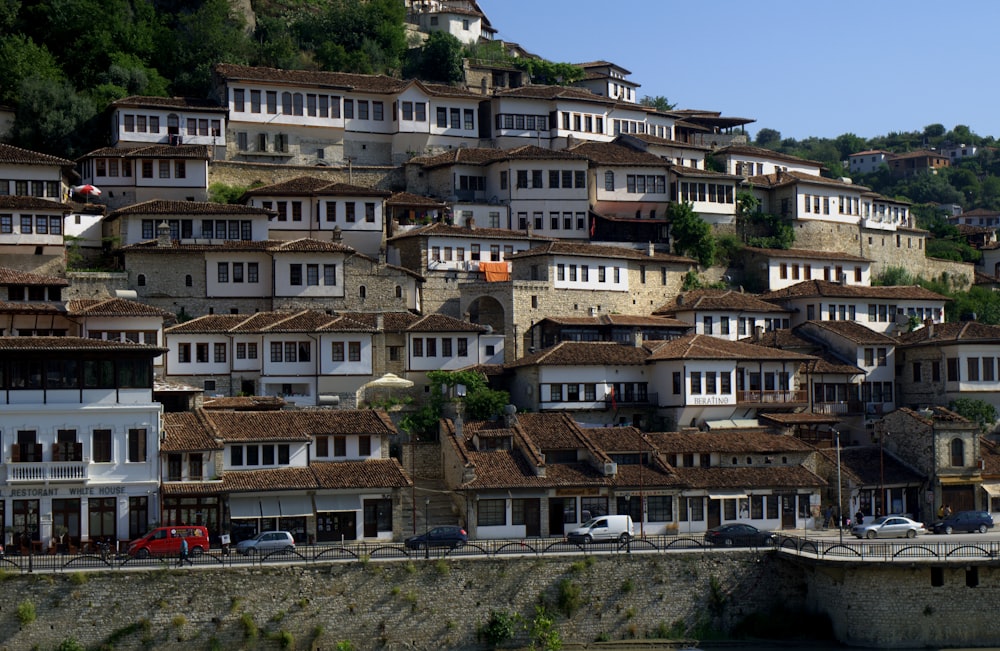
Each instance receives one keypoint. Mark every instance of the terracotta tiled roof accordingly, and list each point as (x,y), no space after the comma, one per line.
(827,363)
(273,479)
(599,251)
(10,344)
(370,473)
(460,156)
(17,202)
(807,254)
(190,103)
(791,178)
(444,90)
(749,477)
(850,330)
(17,156)
(809,288)
(760,152)
(798,418)
(10,276)
(448,230)
(557,92)
(609,153)
(666,142)
(991,457)
(870,466)
(245,403)
(15,307)
(208,323)
(696,172)
(584,353)
(939,333)
(200,488)
(164,207)
(310,185)
(256,426)
(113,307)
(377,84)
(709,347)
(624,320)
(934,413)
(152,151)
(304,245)
(619,439)
(410,199)
(752,441)
(186,432)
(442,323)
(780,338)
(715,300)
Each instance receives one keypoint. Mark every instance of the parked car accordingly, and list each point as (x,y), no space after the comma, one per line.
(603,528)
(965,521)
(166,541)
(267,542)
(739,534)
(889,526)
(438,537)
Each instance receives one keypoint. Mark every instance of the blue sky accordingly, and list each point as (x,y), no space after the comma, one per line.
(802,67)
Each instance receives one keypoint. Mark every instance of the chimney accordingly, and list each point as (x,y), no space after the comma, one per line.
(470,223)
(509,416)
(459,426)
(163,234)
(637,337)
(651,250)
(379,322)
(336,235)
(680,299)
(758,332)
(930,328)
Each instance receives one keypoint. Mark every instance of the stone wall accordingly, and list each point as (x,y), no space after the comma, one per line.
(94,284)
(414,604)
(248,174)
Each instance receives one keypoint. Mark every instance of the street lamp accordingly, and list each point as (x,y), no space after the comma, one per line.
(427,528)
(840,497)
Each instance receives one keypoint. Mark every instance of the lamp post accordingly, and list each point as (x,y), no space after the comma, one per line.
(840,497)
(427,528)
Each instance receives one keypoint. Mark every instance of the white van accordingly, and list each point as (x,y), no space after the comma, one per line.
(603,528)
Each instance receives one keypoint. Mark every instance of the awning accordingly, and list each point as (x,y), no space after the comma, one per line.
(289,505)
(244,507)
(727,495)
(269,506)
(957,481)
(338,503)
(992,488)
(732,423)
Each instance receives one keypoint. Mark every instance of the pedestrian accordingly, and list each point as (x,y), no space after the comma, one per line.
(947,510)
(829,517)
(941,512)
(859,517)
(184,554)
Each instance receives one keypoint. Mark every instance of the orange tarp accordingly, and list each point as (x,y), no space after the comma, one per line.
(495,271)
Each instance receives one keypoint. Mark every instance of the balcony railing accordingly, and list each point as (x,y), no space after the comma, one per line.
(47,471)
(631,400)
(847,407)
(771,397)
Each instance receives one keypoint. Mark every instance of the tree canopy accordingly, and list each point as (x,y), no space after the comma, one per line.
(691,235)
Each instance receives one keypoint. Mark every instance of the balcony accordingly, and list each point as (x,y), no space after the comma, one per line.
(843,408)
(786,397)
(627,400)
(48,471)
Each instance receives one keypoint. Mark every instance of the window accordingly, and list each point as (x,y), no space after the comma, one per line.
(223,272)
(491,513)
(329,275)
(354,351)
(295,274)
(609,181)
(957,453)
(137,445)
(201,353)
(953,369)
(463,346)
(184,353)
(337,348)
(340,446)
(219,353)
(102,446)
(972,364)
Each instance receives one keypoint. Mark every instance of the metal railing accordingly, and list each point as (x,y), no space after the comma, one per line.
(879,551)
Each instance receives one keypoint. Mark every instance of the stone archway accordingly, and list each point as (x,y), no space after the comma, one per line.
(487,311)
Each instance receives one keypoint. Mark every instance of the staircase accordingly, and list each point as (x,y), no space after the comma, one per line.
(428,504)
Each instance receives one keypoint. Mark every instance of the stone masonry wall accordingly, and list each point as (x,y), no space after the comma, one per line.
(248,174)
(417,604)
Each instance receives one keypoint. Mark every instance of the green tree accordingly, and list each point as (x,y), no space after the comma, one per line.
(212,33)
(440,59)
(659,102)
(52,118)
(21,59)
(978,411)
(691,235)
(546,72)
(768,138)
(349,36)
(480,401)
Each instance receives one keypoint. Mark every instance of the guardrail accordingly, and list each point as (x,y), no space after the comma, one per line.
(878,551)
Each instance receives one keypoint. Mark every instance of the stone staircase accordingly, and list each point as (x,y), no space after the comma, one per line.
(428,504)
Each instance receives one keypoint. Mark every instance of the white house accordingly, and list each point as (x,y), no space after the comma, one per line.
(868,161)
(747,160)
(609,80)
(127,175)
(725,313)
(143,120)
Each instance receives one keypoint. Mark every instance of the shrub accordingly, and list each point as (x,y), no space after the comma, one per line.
(498,628)
(26,612)
(570,597)
(250,630)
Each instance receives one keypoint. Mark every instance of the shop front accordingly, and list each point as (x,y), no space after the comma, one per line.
(252,514)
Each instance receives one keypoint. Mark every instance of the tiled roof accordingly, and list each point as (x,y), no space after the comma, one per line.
(10,276)
(599,251)
(666,142)
(798,418)
(444,90)
(709,347)
(760,152)
(199,488)
(304,245)
(870,466)
(164,207)
(410,199)
(207,323)
(378,84)
(245,403)
(978,212)
(15,155)
(624,320)
(152,151)
(951,332)
(827,363)
(8,344)
(780,338)
(442,323)
(256,426)
(933,413)
(370,473)
(696,172)
(584,353)
(16,307)
(810,288)
(717,299)
(807,254)
(850,330)
(730,442)
(186,432)
(619,439)
(609,153)
(869,152)
(449,230)
(113,307)
(17,202)
(276,321)
(272,479)
(460,156)
(749,477)
(789,177)
(190,103)
(310,185)
(557,92)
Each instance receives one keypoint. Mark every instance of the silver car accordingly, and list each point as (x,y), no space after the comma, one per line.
(889,526)
(267,542)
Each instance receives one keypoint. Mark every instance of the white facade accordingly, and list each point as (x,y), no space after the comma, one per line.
(787,271)
(578,272)
(445,351)
(866,162)
(303,275)
(451,253)
(138,122)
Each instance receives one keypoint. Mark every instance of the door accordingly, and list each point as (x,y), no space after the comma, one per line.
(559,509)
(533,518)
(788,511)
(959,498)
(714,513)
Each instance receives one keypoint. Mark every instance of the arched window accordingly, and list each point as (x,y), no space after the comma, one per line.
(749,461)
(399,291)
(140,280)
(362,292)
(188,280)
(957,452)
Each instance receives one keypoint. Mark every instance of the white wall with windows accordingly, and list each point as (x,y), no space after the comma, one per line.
(577,272)
(446,351)
(786,271)
(197,354)
(346,447)
(346,354)
(265,104)
(237,274)
(832,204)
(262,455)
(453,253)
(136,125)
(629,184)
(309,275)
(247,353)
(516,120)
(31,226)
(591,387)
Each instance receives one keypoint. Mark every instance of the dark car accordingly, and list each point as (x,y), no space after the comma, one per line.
(439,537)
(739,534)
(965,521)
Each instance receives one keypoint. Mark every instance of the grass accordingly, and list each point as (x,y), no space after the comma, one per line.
(26,612)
